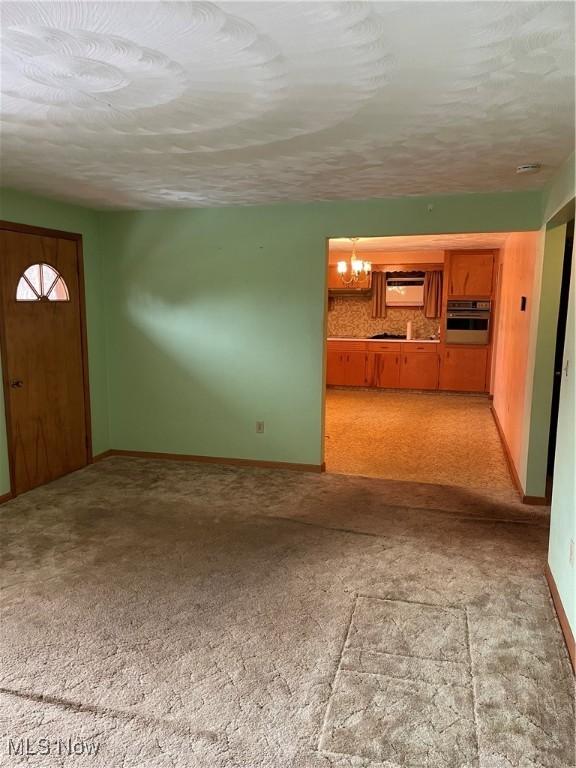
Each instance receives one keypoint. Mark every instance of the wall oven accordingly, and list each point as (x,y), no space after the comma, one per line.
(468,322)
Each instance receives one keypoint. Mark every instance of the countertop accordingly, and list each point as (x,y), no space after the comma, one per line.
(392,341)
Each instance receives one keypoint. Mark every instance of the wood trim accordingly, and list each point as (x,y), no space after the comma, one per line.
(562,618)
(536,501)
(212,460)
(101,456)
(7,410)
(84,343)
(6,497)
(509,460)
(426,266)
(28,229)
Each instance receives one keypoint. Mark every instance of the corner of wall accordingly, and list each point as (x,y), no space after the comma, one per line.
(559,195)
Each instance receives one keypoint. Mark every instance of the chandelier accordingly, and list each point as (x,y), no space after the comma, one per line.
(356,270)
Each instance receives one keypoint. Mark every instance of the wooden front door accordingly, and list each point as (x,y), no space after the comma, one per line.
(43,356)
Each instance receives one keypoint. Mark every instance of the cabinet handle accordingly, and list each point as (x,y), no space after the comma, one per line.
(406,360)
(447,353)
(396,359)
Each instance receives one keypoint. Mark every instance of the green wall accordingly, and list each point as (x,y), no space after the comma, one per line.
(543,374)
(563,516)
(202,321)
(215,317)
(30,209)
(560,190)
(563,513)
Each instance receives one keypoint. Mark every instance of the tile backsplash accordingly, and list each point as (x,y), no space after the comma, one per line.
(352,316)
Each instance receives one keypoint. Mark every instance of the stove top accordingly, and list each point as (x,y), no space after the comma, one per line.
(388,336)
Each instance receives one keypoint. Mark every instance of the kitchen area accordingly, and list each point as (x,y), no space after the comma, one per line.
(408,318)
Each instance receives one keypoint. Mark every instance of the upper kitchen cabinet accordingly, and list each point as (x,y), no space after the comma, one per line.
(470,273)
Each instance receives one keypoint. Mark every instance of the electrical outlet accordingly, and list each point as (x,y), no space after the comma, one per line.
(571,555)
(259,427)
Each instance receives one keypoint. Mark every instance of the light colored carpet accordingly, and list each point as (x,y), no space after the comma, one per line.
(430,437)
(196,616)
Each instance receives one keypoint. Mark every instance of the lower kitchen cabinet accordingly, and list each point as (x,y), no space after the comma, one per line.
(348,368)
(386,372)
(335,370)
(406,365)
(358,367)
(419,370)
(464,369)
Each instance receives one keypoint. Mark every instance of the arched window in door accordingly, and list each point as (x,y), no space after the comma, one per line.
(41,282)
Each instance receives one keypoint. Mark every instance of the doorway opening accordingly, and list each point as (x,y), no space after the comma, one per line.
(559,351)
(44,354)
(413,336)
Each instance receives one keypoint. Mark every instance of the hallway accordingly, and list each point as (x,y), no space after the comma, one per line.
(440,438)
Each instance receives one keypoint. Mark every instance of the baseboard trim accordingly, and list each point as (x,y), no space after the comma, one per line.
(213,460)
(509,459)
(6,497)
(562,618)
(101,456)
(536,501)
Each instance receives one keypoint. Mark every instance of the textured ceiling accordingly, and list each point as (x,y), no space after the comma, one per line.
(421,242)
(192,104)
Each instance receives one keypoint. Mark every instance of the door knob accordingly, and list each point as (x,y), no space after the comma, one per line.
(16,383)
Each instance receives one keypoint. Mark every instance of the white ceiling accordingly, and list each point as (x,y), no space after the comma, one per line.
(420,242)
(155,104)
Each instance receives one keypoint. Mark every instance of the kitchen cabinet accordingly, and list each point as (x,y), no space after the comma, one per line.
(335,369)
(470,273)
(419,370)
(386,369)
(464,369)
(358,367)
(348,365)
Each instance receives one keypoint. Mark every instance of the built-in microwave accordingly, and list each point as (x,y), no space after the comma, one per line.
(468,322)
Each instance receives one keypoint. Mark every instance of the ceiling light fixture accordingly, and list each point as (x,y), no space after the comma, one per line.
(356,270)
(528,168)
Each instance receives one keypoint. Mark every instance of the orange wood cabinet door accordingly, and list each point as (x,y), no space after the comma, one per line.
(347,366)
(419,370)
(386,369)
(463,369)
(358,369)
(43,359)
(470,274)
(335,368)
